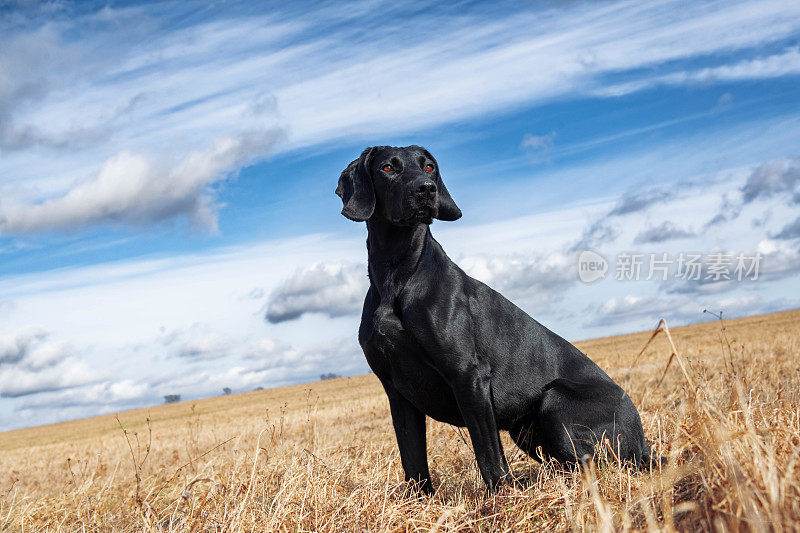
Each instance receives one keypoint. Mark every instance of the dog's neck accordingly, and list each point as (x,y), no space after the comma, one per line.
(394,253)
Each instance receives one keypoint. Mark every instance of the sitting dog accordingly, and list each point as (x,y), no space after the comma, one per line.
(447,346)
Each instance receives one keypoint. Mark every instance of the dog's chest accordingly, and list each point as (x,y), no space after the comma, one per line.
(389,341)
(397,358)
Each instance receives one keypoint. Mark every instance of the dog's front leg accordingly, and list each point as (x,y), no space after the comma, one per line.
(473,394)
(409,427)
(453,355)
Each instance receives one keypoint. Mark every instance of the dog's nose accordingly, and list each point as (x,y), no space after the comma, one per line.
(427,187)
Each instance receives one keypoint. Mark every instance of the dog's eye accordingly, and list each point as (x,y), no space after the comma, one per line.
(387,168)
(429,167)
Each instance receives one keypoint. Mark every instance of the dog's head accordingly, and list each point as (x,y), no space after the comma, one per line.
(400,185)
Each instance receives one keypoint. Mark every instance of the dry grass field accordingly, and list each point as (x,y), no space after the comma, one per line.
(322,456)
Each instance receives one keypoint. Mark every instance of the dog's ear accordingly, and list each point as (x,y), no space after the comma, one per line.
(356,190)
(447,208)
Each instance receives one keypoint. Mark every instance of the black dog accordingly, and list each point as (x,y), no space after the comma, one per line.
(447,346)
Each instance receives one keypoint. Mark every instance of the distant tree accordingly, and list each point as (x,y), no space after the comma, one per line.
(259,388)
(329,375)
(226,390)
(172,398)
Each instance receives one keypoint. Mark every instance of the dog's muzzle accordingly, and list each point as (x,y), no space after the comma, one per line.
(424,200)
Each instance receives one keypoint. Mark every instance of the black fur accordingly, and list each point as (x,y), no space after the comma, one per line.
(447,346)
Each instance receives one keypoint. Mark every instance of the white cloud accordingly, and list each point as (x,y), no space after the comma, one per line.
(624,309)
(331,289)
(526,279)
(724,100)
(779,259)
(773,178)
(15,347)
(541,56)
(538,146)
(640,199)
(790,230)
(777,178)
(786,63)
(666,231)
(199,342)
(31,363)
(538,142)
(131,188)
(270,362)
(772,66)
(117,394)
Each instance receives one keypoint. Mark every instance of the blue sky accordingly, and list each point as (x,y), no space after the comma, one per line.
(167,216)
